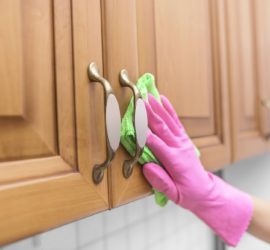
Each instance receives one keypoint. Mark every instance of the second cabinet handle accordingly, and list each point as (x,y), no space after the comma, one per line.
(112,122)
(140,123)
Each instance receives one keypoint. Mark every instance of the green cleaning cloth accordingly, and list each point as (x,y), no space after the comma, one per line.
(145,84)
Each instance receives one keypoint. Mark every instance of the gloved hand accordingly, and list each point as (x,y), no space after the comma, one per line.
(183,179)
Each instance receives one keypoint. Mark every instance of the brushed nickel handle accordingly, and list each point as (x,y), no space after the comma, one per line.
(112,122)
(140,123)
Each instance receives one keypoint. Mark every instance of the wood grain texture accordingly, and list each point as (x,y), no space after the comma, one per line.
(244,87)
(184,55)
(146,36)
(65,81)
(52,120)
(29,208)
(89,96)
(215,147)
(11,172)
(40,193)
(191,61)
(33,132)
(121,51)
(11,60)
(25,137)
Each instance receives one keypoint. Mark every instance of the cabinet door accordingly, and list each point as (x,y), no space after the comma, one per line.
(182,44)
(190,58)
(262,34)
(246,122)
(121,52)
(40,186)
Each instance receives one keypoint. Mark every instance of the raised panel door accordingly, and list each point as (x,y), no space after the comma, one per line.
(44,182)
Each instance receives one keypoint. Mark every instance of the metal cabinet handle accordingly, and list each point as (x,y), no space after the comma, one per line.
(140,123)
(112,122)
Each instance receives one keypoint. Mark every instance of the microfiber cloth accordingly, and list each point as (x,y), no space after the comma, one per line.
(145,84)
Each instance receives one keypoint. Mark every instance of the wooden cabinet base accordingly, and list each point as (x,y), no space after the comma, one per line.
(36,206)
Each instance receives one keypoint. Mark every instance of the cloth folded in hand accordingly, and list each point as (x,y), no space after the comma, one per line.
(145,84)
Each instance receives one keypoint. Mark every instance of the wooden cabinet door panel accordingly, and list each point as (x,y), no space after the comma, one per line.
(191,71)
(27,107)
(121,52)
(246,131)
(184,61)
(39,173)
(190,68)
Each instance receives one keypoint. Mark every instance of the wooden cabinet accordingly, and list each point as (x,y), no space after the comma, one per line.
(40,186)
(209,58)
(244,80)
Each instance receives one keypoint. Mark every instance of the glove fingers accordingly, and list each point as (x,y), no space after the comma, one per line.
(160,149)
(164,115)
(160,180)
(168,106)
(164,153)
(184,139)
(160,128)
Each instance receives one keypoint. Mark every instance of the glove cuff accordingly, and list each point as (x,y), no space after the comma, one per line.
(227,210)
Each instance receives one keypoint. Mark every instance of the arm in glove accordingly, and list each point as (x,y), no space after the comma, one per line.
(184,180)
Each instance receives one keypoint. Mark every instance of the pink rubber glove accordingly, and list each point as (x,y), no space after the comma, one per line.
(225,209)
